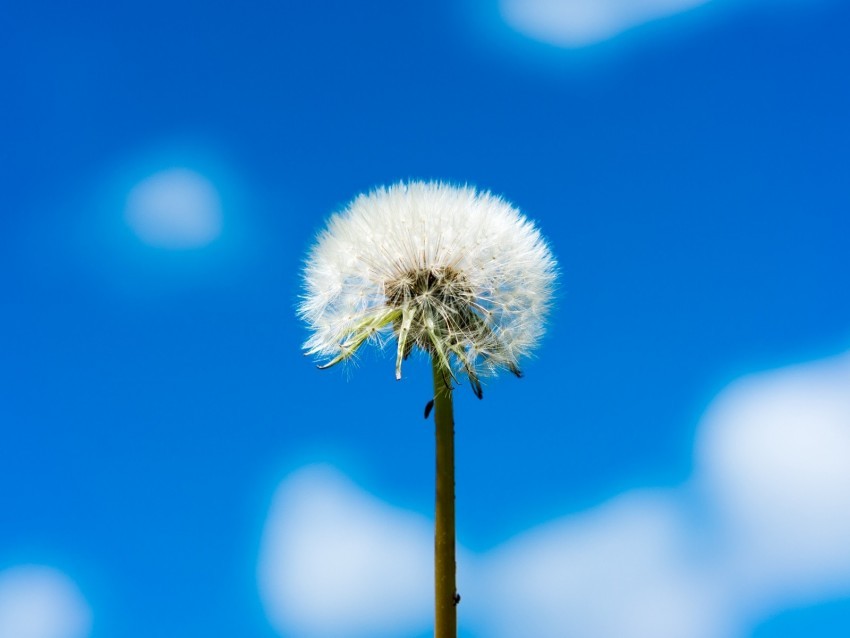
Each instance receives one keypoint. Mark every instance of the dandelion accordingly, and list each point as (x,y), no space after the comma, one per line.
(454,272)
(458,273)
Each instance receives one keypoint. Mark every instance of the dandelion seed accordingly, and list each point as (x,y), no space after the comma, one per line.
(455,272)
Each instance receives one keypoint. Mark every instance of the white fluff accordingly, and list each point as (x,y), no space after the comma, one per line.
(456,272)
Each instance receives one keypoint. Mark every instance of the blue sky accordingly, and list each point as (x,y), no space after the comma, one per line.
(690,174)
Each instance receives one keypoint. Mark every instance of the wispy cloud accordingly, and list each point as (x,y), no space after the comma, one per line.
(774,456)
(579,23)
(175,208)
(761,526)
(625,569)
(336,561)
(40,602)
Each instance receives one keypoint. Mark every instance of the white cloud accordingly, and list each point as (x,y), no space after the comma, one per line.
(774,453)
(175,208)
(625,569)
(579,23)
(762,526)
(40,602)
(336,562)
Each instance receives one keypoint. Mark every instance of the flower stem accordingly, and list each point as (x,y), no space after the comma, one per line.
(445,588)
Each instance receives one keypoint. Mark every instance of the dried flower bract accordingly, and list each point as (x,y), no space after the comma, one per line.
(458,273)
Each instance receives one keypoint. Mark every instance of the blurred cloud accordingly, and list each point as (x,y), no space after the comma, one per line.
(774,455)
(625,569)
(338,562)
(175,208)
(761,526)
(579,23)
(40,602)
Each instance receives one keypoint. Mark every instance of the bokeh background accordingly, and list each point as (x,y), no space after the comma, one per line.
(676,461)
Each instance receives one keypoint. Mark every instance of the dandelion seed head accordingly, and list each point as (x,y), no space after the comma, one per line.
(458,273)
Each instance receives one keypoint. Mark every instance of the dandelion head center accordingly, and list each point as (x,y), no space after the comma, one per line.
(437,301)
(428,287)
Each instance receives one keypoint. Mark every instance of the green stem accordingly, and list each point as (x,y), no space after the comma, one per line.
(445,588)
